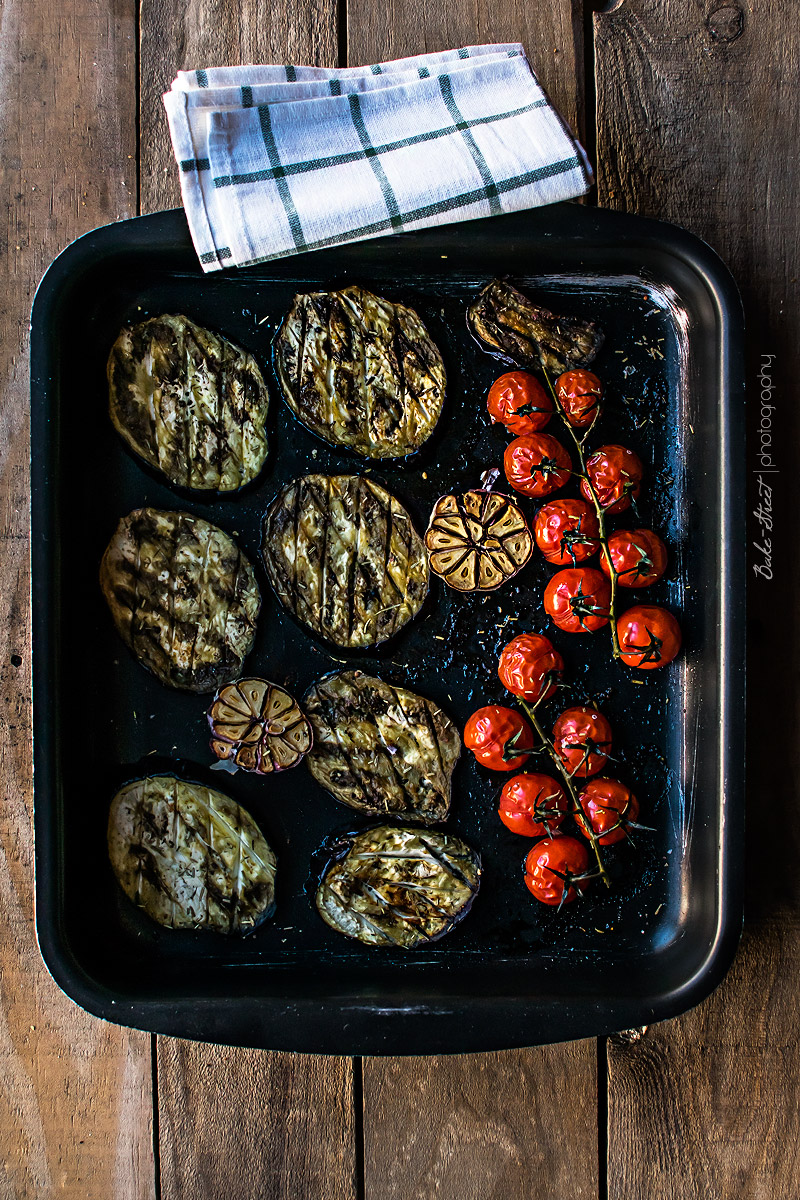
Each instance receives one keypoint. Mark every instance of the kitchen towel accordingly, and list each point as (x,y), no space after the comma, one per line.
(277,160)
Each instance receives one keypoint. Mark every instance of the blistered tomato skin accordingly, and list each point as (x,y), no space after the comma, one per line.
(537,464)
(610,808)
(518,401)
(639,557)
(582,740)
(579,394)
(578,600)
(567,531)
(552,866)
(529,667)
(533,805)
(496,735)
(616,475)
(649,637)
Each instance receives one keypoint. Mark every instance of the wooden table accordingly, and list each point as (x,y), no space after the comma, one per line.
(690,109)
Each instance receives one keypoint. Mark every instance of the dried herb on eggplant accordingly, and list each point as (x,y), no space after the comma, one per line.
(397,886)
(514,329)
(190,856)
(381,749)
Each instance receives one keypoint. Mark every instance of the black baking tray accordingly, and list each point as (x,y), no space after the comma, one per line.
(514,973)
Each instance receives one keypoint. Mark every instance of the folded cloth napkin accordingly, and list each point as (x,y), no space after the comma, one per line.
(276,160)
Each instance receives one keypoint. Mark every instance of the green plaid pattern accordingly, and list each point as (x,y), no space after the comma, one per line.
(275,160)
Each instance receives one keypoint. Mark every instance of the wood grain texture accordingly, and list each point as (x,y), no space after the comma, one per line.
(696,125)
(250,1125)
(505,1126)
(186,34)
(75,1095)
(552,34)
(709,1105)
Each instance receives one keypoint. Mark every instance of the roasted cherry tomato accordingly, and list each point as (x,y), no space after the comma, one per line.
(639,557)
(556,869)
(536,464)
(578,599)
(533,805)
(582,739)
(649,637)
(530,667)
(566,531)
(499,737)
(579,394)
(518,401)
(609,807)
(615,473)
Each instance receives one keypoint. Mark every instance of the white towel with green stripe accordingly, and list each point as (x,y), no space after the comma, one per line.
(277,160)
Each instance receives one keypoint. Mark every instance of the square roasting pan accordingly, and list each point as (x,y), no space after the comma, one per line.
(513,973)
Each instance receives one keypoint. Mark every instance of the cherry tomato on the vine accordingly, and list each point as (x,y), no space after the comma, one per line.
(639,557)
(533,804)
(555,869)
(518,401)
(609,807)
(578,599)
(649,636)
(582,740)
(566,531)
(615,474)
(536,464)
(499,737)
(579,394)
(529,667)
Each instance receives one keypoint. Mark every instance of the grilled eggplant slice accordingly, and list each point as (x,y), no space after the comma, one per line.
(344,557)
(190,856)
(258,726)
(511,327)
(381,749)
(477,541)
(360,372)
(183,597)
(397,886)
(189,402)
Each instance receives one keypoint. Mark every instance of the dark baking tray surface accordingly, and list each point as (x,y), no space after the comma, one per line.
(514,973)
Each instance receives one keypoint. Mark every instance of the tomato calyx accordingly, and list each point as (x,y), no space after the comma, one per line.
(512,749)
(649,653)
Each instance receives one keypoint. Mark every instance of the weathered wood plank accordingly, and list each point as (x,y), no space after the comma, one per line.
(513,1125)
(552,34)
(191,33)
(695,125)
(254,1125)
(75,1095)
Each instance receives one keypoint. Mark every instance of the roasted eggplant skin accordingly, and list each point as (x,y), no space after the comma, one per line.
(381,749)
(342,554)
(189,402)
(360,372)
(512,328)
(190,856)
(183,597)
(397,886)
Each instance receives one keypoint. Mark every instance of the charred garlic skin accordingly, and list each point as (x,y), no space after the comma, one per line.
(381,749)
(183,597)
(190,856)
(342,554)
(396,886)
(258,726)
(189,402)
(360,372)
(512,328)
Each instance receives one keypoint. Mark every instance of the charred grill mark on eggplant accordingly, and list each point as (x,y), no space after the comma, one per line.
(390,886)
(189,402)
(381,749)
(360,372)
(183,597)
(514,329)
(342,554)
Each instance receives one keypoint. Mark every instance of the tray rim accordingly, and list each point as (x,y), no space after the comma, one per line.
(318,1025)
